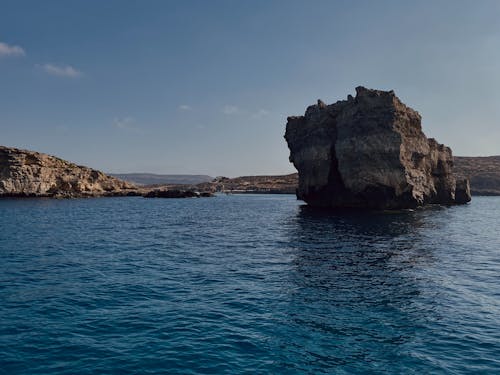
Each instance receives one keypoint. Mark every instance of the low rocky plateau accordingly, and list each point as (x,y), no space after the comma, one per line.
(32,174)
(369,151)
(148,179)
(483,172)
(285,184)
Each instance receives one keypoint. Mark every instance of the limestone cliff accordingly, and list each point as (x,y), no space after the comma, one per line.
(370,152)
(33,174)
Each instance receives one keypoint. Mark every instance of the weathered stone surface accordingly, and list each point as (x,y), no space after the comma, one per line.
(33,174)
(369,152)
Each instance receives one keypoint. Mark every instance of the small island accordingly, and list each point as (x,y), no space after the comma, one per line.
(369,151)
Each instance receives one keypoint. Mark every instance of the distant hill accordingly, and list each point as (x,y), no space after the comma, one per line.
(483,172)
(162,179)
(280,184)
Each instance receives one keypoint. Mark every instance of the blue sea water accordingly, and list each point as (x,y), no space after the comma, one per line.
(256,284)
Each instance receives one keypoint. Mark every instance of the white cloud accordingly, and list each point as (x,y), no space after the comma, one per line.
(11,51)
(230,110)
(61,70)
(185,107)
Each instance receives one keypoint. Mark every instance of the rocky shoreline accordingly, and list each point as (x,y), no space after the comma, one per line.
(25,179)
(483,173)
(26,173)
(30,174)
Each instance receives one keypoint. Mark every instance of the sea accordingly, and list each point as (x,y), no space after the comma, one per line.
(247,284)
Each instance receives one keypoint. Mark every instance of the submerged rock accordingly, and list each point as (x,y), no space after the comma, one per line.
(370,152)
(32,174)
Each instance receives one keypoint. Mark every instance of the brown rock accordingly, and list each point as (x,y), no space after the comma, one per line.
(369,152)
(32,174)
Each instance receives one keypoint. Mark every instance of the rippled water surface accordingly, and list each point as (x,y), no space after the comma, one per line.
(247,284)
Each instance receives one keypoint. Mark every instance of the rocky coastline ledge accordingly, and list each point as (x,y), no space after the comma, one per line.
(29,174)
(369,151)
(33,174)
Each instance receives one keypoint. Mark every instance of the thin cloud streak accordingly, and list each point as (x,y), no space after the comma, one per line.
(61,71)
(7,50)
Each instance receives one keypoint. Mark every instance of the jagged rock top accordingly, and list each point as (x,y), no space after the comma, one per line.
(369,151)
(26,173)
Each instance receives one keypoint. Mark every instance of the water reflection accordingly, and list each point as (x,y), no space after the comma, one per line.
(357,283)
(359,244)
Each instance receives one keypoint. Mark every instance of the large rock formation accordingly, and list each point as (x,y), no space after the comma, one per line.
(33,174)
(370,152)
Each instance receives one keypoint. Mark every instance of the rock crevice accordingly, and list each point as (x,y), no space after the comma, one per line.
(369,151)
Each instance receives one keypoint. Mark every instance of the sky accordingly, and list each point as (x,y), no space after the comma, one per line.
(204,87)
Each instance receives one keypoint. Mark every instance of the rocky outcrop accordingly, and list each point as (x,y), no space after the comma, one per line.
(369,151)
(33,174)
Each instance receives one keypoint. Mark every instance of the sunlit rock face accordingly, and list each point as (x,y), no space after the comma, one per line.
(32,174)
(369,151)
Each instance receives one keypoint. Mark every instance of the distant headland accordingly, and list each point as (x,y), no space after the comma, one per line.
(26,173)
(30,174)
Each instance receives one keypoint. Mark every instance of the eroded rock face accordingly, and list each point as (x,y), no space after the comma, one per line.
(370,152)
(33,174)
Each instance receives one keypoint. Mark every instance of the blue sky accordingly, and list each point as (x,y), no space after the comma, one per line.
(205,86)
